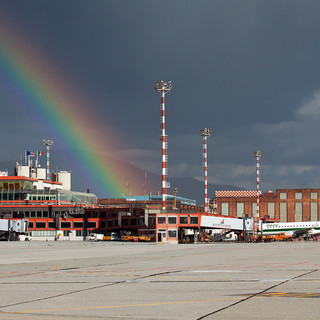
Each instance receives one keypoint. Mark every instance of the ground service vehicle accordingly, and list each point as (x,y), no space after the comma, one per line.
(95,237)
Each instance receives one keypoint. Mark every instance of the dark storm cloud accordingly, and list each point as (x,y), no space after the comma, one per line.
(247,69)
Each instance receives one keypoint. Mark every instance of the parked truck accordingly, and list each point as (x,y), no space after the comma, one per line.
(95,237)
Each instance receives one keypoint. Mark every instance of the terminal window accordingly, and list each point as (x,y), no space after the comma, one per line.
(51,225)
(172,220)
(78,224)
(194,220)
(91,224)
(283,196)
(161,220)
(225,208)
(172,233)
(40,225)
(183,220)
(313,195)
(65,224)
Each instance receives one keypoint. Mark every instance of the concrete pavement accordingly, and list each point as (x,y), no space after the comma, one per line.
(114,280)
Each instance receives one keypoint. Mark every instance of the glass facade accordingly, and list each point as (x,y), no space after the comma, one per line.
(47,195)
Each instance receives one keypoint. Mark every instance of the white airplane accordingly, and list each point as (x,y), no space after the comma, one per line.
(293,229)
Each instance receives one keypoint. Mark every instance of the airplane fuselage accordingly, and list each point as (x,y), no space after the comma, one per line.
(294,229)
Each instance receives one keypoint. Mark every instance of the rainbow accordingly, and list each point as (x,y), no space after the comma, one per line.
(33,82)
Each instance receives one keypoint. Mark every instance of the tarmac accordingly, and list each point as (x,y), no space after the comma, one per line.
(113,280)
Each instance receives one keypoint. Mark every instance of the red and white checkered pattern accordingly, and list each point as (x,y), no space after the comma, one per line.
(236,194)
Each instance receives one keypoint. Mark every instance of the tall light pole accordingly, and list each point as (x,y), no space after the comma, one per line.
(48,144)
(258,155)
(205,133)
(163,87)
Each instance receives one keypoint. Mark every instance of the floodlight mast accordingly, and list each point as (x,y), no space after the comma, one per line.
(258,155)
(48,144)
(205,133)
(163,87)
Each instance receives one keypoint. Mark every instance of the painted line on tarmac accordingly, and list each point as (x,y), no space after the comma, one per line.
(291,294)
(256,295)
(122,306)
(264,295)
(86,289)
(218,271)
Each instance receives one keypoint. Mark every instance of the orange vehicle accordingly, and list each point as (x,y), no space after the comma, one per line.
(278,237)
(129,238)
(144,238)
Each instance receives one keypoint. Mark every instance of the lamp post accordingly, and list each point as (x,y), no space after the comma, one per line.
(258,155)
(163,87)
(47,144)
(205,133)
(256,217)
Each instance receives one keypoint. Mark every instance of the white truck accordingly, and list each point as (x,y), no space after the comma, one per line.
(95,237)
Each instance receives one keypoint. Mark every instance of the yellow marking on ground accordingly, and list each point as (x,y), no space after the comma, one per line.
(123,306)
(263,295)
(291,294)
(56,268)
(110,274)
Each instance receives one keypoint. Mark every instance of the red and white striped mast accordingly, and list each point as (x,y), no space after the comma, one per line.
(163,87)
(206,133)
(48,144)
(258,155)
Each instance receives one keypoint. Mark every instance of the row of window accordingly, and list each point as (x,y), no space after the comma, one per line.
(173,220)
(172,233)
(298,210)
(125,222)
(64,225)
(53,233)
(108,214)
(298,195)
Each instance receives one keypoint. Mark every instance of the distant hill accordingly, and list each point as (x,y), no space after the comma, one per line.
(194,189)
(187,187)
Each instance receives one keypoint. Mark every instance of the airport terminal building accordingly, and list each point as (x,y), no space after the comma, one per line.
(284,205)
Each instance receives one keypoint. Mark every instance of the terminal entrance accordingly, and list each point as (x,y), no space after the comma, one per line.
(161,235)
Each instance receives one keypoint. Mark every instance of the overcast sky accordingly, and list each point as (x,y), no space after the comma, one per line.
(249,70)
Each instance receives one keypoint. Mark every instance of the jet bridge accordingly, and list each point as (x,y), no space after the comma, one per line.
(222,222)
(9,228)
